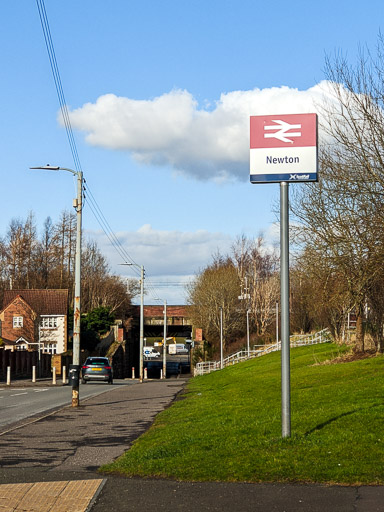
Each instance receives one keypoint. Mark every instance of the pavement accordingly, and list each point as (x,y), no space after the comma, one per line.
(50,463)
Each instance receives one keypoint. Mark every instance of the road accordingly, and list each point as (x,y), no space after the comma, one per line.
(17,404)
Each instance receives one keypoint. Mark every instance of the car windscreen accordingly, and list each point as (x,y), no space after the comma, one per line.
(97,362)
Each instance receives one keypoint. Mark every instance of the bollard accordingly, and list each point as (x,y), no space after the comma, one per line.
(33,373)
(54,375)
(8,375)
(133,372)
(64,374)
(161,373)
(145,373)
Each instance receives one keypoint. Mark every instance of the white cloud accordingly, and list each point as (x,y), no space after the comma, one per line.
(171,130)
(169,257)
(164,252)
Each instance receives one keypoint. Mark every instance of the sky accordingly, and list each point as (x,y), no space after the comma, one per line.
(159,95)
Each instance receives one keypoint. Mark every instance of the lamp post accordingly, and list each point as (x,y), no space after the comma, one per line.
(165,342)
(246,296)
(142,273)
(77,203)
(221,339)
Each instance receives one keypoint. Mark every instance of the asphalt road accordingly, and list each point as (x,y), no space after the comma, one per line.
(20,403)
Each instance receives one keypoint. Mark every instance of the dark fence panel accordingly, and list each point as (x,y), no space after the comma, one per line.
(21,363)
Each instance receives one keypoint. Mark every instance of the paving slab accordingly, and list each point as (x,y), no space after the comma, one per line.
(58,496)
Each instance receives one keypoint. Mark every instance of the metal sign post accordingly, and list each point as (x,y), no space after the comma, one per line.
(283,149)
(284,293)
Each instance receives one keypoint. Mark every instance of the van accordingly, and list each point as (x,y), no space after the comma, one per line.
(150,352)
(178,348)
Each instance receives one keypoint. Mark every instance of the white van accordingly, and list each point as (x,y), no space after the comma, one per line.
(177,348)
(150,352)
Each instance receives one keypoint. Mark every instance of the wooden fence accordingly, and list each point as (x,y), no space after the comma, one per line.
(21,363)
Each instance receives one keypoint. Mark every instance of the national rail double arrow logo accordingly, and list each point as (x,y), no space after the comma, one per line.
(282,128)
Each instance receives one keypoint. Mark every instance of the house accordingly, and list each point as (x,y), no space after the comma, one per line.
(34,319)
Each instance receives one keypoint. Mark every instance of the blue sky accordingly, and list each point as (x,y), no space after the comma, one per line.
(160,94)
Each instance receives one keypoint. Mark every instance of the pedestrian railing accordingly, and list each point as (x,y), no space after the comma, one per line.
(323,336)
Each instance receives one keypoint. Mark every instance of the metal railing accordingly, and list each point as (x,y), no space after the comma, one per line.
(323,336)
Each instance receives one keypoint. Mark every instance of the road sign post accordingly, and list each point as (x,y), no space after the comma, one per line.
(283,149)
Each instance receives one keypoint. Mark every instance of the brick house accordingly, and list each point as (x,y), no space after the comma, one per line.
(35,318)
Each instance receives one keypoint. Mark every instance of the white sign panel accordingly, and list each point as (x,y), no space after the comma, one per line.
(283,148)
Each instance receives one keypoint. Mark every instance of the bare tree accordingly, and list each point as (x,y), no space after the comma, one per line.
(342,218)
(257,269)
(217,288)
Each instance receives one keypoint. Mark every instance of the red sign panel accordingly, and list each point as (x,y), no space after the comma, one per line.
(283,131)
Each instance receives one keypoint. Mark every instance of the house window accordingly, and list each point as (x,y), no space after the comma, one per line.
(49,322)
(17,321)
(51,348)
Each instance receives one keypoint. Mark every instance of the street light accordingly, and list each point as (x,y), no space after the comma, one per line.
(77,203)
(142,273)
(165,342)
(221,339)
(246,296)
(248,311)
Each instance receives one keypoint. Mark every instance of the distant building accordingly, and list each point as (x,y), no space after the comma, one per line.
(33,319)
(178,322)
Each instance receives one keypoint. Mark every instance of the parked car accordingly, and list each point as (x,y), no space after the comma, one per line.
(97,368)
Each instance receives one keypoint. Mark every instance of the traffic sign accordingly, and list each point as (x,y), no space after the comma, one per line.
(283,148)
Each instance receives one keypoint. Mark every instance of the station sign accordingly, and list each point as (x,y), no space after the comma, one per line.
(283,148)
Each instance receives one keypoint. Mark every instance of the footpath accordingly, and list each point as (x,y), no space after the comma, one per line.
(50,464)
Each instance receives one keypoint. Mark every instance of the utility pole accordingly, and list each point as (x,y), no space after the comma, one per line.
(74,370)
(78,205)
(141,320)
(141,342)
(165,342)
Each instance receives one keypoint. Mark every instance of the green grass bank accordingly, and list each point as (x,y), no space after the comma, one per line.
(227,426)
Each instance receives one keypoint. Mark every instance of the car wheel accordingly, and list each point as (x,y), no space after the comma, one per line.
(83,381)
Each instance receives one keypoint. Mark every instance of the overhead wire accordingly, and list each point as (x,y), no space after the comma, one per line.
(91,201)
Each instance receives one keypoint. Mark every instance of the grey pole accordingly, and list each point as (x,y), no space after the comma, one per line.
(248,331)
(141,343)
(77,311)
(221,339)
(165,342)
(277,322)
(78,205)
(284,291)
(141,321)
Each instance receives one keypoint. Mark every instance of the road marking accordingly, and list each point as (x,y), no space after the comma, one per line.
(18,394)
(40,390)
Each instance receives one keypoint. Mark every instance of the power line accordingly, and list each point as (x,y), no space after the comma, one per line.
(94,207)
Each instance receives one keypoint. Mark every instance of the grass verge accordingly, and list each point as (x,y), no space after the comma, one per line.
(228,425)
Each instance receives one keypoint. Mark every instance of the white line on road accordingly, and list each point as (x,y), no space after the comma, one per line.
(18,394)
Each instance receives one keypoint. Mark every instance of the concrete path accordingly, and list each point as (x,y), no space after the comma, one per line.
(58,456)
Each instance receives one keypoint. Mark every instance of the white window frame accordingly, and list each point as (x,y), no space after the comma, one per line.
(50,348)
(18,322)
(49,322)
